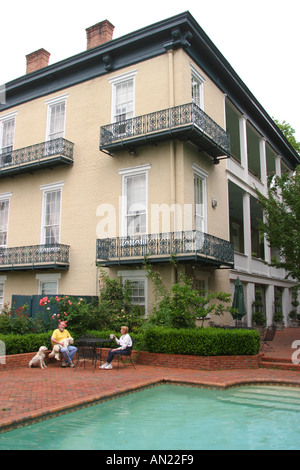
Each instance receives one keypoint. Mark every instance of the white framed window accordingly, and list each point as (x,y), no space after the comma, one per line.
(123,93)
(1,295)
(201,285)
(7,135)
(135,201)
(139,286)
(4,213)
(197,85)
(48,288)
(56,117)
(51,214)
(123,100)
(2,282)
(48,283)
(200,199)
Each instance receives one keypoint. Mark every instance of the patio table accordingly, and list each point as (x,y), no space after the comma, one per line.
(87,349)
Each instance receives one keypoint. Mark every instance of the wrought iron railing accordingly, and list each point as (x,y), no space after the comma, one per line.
(171,118)
(34,256)
(162,245)
(37,153)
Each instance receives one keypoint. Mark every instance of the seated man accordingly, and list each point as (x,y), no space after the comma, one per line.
(57,337)
(125,343)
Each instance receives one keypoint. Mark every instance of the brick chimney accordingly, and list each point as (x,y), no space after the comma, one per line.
(37,60)
(99,34)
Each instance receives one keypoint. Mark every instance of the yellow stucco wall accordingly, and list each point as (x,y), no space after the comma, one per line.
(94,178)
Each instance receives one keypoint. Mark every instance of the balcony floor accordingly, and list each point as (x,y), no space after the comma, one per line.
(190,133)
(35,157)
(184,122)
(195,259)
(49,162)
(187,247)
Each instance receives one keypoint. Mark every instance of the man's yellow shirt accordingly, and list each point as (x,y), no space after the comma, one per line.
(60,335)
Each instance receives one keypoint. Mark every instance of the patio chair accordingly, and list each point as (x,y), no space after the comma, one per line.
(267,337)
(120,357)
(86,353)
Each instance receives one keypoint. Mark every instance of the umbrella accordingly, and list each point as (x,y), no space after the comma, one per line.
(238,301)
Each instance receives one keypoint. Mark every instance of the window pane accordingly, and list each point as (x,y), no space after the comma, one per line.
(197,90)
(49,288)
(4,205)
(136,204)
(1,294)
(52,217)
(8,135)
(138,291)
(123,100)
(199,209)
(57,121)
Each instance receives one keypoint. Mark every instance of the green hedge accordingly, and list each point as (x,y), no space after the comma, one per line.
(202,341)
(190,341)
(31,342)
(18,344)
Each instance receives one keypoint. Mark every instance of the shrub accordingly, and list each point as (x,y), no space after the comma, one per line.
(193,341)
(115,305)
(258,315)
(18,343)
(181,305)
(77,313)
(202,341)
(17,321)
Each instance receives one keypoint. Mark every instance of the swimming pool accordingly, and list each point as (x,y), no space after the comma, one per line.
(172,417)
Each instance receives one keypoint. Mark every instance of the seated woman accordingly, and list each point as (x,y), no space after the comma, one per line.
(125,343)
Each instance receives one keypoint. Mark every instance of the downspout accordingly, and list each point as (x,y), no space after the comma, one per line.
(172,144)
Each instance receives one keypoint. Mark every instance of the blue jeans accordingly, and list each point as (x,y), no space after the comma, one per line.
(68,353)
(112,353)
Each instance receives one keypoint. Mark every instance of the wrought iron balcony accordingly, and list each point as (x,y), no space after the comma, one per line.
(34,257)
(44,155)
(185,122)
(186,246)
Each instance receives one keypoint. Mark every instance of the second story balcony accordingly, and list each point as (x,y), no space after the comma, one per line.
(23,258)
(44,155)
(189,246)
(185,122)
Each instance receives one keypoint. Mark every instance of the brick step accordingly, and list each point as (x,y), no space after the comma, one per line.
(276,359)
(282,364)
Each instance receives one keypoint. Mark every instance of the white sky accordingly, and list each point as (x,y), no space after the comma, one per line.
(260,39)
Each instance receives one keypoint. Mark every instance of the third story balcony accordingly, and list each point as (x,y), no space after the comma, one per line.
(44,155)
(187,246)
(185,122)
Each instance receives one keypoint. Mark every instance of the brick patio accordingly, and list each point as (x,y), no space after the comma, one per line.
(34,394)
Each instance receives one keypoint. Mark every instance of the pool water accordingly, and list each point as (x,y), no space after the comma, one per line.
(171,417)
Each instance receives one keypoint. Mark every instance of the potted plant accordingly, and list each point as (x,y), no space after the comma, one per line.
(258,316)
(294,317)
(278,318)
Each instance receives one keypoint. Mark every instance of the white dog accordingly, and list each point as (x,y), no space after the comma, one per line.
(39,358)
(57,347)
(55,351)
(68,341)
